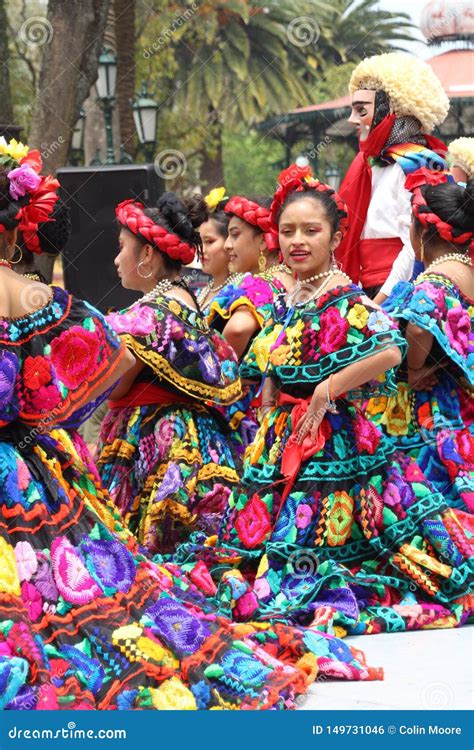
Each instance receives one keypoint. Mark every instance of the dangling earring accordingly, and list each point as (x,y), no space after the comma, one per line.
(15,262)
(422,251)
(143,275)
(262,262)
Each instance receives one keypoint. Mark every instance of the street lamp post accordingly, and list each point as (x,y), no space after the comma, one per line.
(145,115)
(333,177)
(77,141)
(105,85)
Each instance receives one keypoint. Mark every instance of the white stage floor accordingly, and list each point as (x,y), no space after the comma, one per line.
(431,669)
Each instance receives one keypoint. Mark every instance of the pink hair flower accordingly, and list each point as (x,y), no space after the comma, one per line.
(23,180)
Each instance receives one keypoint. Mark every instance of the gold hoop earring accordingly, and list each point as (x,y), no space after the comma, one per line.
(262,262)
(422,251)
(15,262)
(143,275)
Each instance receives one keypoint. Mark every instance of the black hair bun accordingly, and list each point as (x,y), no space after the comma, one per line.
(8,206)
(53,235)
(468,201)
(198,210)
(175,214)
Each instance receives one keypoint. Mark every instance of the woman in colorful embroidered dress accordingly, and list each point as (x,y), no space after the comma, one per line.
(432,414)
(238,309)
(213,232)
(322,486)
(166,457)
(86,622)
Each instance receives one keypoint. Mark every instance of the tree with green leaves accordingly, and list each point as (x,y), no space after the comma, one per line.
(239,61)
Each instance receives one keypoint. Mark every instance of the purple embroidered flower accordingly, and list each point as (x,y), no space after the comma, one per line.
(208,364)
(303,515)
(177,626)
(391,496)
(22,180)
(8,374)
(458,328)
(112,563)
(172,481)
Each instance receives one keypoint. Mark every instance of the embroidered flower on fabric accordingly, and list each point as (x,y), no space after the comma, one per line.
(303,515)
(73,579)
(458,328)
(258,291)
(333,331)
(340,519)
(244,668)
(36,372)
(75,355)
(366,434)
(253,522)
(379,322)
(26,561)
(358,316)
(177,626)
(32,600)
(9,582)
(421,302)
(140,322)
(46,398)
(171,483)
(112,562)
(8,372)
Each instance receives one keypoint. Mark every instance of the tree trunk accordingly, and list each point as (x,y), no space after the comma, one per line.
(68,69)
(125,39)
(6,114)
(212,169)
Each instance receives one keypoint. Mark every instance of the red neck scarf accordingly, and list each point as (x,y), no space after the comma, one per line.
(356,190)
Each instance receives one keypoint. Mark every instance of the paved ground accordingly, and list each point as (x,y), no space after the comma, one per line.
(432,669)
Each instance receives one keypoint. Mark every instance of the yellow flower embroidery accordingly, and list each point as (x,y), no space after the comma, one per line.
(171,695)
(174,306)
(262,345)
(358,316)
(397,415)
(9,581)
(279,355)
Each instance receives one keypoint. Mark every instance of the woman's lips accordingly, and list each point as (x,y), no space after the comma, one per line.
(299,255)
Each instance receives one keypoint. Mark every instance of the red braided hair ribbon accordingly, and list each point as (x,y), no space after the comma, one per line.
(425,215)
(298,184)
(38,211)
(256,215)
(130,215)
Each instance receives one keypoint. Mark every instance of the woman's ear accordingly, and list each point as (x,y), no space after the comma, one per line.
(335,241)
(11,236)
(147,253)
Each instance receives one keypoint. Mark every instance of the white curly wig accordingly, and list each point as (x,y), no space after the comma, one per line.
(410,84)
(461,154)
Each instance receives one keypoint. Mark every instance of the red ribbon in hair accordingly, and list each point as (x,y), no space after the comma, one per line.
(38,211)
(256,215)
(425,215)
(291,184)
(130,215)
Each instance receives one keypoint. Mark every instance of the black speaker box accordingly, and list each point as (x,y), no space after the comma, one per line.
(88,258)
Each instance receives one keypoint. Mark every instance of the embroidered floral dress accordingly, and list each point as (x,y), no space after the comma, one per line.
(256,294)
(436,425)
(166,456)
(352,501)
(86,621)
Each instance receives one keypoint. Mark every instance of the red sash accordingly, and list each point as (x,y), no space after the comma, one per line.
(376,259)
(144,394)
